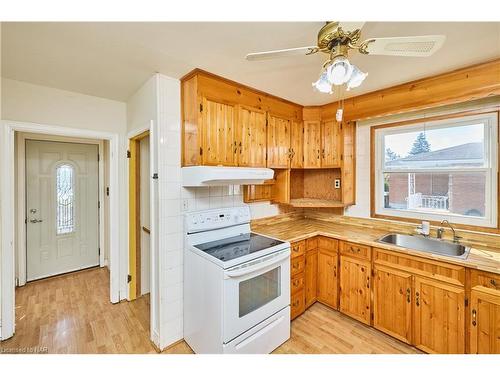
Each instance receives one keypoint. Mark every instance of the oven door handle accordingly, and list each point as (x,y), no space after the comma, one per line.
(261,265)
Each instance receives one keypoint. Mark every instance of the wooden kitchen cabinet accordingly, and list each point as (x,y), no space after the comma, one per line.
(297,278)
(392,302)
(328,278)
(219,145)
(331,141)
(484,325)
(296,145)
(251,137)
(311,276)
(312,144)
(354,286)
(439,316)
(278,142)
(484,321)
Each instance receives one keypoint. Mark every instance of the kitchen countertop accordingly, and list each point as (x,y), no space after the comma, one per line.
(480,257)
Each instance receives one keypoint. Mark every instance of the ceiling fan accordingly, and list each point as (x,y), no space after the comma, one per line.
(337,39)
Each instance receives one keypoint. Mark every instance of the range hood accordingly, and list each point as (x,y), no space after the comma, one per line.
(217,176)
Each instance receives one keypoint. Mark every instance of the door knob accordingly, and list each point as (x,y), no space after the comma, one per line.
(34,221)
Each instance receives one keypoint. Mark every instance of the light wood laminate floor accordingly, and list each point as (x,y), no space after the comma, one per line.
(72,314)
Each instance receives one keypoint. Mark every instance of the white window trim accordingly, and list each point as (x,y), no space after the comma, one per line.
(491,167)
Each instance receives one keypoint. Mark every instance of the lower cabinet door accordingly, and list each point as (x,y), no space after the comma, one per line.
(439,322)
(392,295)
(355,288)
(327,278)
(297,304)
(485,321)
(311,276)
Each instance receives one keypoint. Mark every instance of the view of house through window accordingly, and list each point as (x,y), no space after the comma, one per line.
(438,170)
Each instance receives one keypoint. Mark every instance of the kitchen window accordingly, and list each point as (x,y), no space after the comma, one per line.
(436,170)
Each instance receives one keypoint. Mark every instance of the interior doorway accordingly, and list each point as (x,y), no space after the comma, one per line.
(139,216)
(62,207)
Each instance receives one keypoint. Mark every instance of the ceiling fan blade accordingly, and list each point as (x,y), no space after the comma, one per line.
(351,26)
(411,46)
(281,53)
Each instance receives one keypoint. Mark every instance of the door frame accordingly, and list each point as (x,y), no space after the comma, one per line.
(8,203)
(134,213)
(21,196)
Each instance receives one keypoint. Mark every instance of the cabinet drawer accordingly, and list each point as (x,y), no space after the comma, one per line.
(433,269)
(328,244)
(297,265)
(297,304)
(312,243)
(297,283)
(298,248)
(355,250)
(486,279)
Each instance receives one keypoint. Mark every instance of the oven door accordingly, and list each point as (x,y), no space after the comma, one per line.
(254,291)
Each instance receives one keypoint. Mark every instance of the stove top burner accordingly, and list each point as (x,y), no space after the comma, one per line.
(234,247)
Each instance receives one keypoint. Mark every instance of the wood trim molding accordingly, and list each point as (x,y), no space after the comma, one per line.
(475,228)
(465,84)
(198,71)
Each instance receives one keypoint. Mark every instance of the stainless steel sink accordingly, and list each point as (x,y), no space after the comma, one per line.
(425,244)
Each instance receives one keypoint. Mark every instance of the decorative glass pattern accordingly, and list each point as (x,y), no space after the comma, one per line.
(65,199)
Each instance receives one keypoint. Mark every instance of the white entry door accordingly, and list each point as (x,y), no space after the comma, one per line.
(61,207)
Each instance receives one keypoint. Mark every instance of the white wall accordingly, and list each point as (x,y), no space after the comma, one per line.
(142,106)
(26,102)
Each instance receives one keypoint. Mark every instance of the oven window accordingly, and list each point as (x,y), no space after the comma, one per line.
(262,289)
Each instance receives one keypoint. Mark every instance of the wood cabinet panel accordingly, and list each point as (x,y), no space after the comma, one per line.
(278,142)
(331,144)
(439,317)
(219,144)
(297,265)
(485,279)
(327,280)
(312,144)
(297,248)
(297,283)
(328,244)
(311,277)
(251,137)
(297,306)
(354,288)
(449,273)
(296,145)
(485,321)
(392,308)
(355,250)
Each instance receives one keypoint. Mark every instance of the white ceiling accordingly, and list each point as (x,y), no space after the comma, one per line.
(112,60)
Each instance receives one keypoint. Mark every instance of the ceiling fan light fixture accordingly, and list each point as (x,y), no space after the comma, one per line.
(339,71)
(356,79)
(323,84)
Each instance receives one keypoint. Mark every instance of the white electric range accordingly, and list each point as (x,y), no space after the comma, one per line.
(236,285)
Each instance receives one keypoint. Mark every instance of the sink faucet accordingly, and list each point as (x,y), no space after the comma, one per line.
(441,230)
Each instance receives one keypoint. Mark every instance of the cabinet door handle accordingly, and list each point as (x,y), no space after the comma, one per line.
(417,299)
(408,298)
(240,146)
(334,271)
(368,282)
(494,283)
(474,314)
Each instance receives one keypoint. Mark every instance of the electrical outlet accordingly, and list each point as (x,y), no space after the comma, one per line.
(185,204)
(337,183)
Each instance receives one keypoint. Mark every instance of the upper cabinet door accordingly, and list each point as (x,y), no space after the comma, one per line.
(312,144)
(331,144)
(219,144)
(297,146)
(278,142)
(251,137)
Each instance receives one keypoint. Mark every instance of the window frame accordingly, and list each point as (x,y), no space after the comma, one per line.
(490,120)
